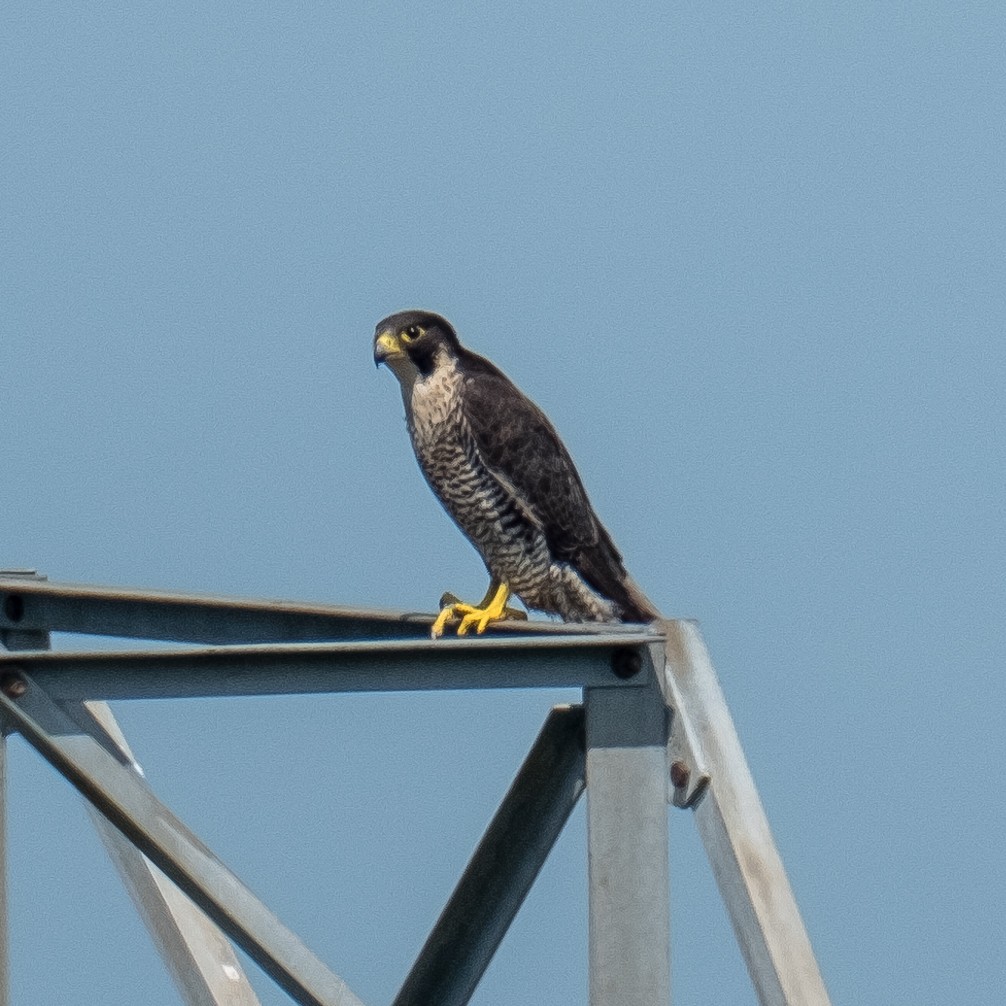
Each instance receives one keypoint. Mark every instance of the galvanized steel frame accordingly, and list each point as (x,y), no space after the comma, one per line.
(653,728)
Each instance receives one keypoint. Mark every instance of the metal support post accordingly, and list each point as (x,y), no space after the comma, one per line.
(503,867)
(11,639)
(627,840)
(737,838)
(4,952)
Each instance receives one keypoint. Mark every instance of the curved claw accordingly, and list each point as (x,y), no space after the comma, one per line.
(448,614)
(492,609)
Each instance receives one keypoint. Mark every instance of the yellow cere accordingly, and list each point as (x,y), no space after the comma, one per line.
(388,342)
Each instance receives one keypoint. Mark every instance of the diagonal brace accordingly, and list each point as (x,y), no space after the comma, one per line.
(736,835)
(503,866)
(123,797)
(200,959)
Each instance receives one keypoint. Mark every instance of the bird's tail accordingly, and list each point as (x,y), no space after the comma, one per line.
(633,604)
(604,570)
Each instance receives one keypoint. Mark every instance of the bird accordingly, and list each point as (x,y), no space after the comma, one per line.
(498,467)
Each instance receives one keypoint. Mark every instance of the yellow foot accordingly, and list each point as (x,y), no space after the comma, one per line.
(492,609)
(510,614)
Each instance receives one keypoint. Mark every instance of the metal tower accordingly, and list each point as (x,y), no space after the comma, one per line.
(652,728)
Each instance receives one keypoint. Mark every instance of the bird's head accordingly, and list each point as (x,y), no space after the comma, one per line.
(411,342)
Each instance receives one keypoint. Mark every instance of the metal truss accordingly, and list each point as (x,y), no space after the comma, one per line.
(653,729)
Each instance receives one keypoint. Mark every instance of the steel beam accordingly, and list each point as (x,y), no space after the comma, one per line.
(627,836)
(35,604)
(114,787)
(737,838)
(281,648)
(503,867)
(546,661)
(147,614)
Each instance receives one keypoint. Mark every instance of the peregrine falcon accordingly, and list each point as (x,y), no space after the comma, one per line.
(495,462)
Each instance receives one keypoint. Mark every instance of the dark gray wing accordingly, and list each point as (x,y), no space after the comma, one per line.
(521,448)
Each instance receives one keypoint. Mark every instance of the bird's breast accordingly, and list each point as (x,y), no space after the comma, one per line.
(449,458)
(435,411)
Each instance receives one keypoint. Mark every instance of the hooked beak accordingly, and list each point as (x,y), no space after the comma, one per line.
(386,347)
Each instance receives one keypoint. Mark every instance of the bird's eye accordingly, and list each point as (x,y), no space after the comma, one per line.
(412,333)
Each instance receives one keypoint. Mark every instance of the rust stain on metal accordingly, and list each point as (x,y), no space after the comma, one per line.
(680,775)
(13,685)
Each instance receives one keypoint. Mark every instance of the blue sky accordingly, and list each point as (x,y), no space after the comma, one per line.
(750,263)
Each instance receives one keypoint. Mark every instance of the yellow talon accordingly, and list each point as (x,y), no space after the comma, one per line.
(446,614)
(492,609)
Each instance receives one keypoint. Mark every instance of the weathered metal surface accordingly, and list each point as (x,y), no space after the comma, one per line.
(11,639)
(627,836)
(634,763)
(114,787)
(503,867)
(738,840)
(148,614)
(33,604)
(547,661)
(202,963)
(686,766)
